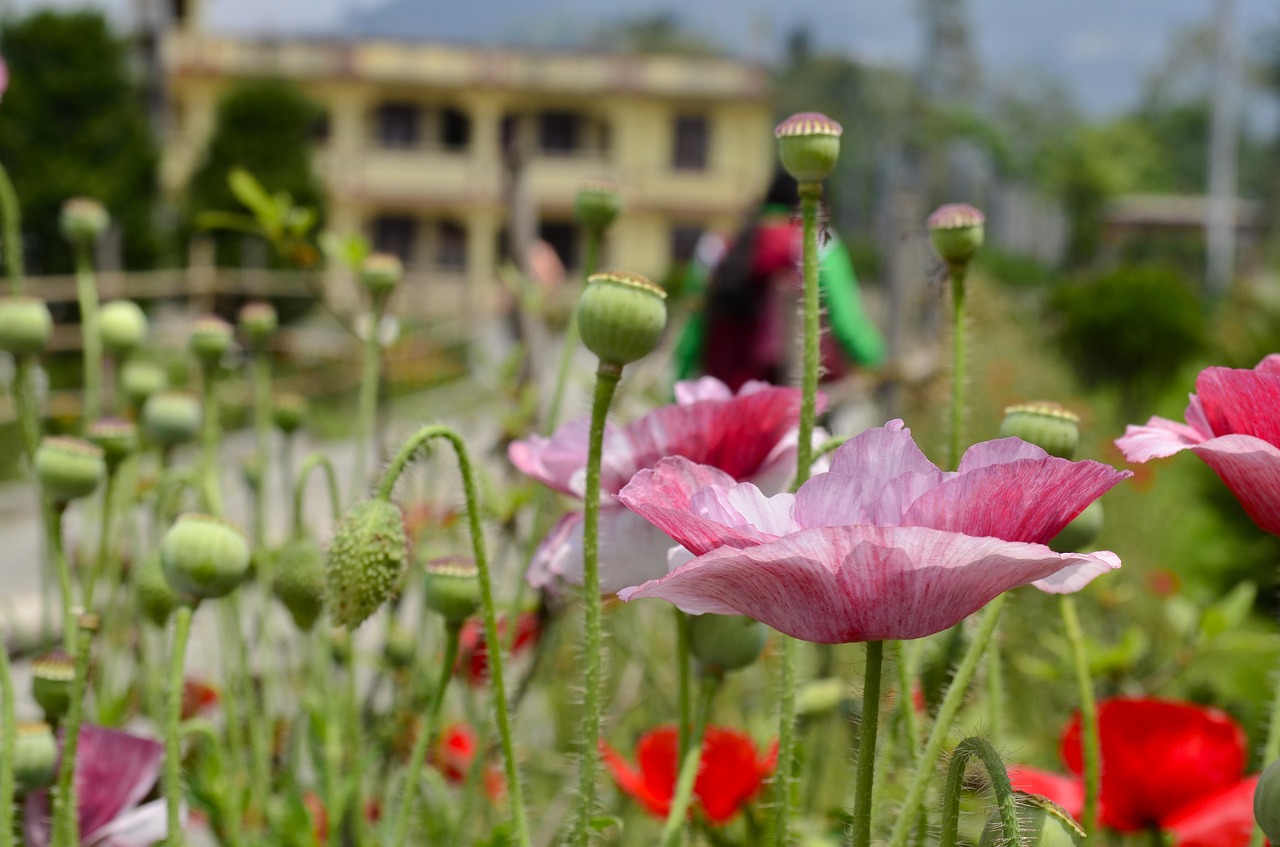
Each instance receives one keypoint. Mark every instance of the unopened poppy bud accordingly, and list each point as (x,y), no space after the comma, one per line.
(155,595)
(35,756)
(453,589)
(621,316)
(123,326)
(1081,532)
(808,145)
(204,557)
(399,648)
(820,696)
(210,339)
(25,325)
(1041,823)
(82,220)
(723,643)
(117,438)
(1266,802)
(140,379)
(957,232)
(69,468)
(366,561)
(1045,424)
(51,678)
(596,205)
(381,273)
(171,418)
(289,412)
(258,322)
(299,580)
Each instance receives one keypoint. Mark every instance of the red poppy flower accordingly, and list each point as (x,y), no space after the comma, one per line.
(730,773)
(1222,819)
(197,697)
(473,651)
(456,750)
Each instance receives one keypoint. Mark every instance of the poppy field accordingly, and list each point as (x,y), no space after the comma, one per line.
(696,614)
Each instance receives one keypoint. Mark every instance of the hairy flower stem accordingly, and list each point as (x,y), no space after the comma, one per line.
(262,444)
(1091,744)
(11,234)
(501,711)
(24,396)
(995,690)
(8,739)
(91,338)
(689,762)
(423,742)
(686,682)
(367,405)
(331,750)
(958,363)
(1006,806)
(862,807)
(607,377)
(210,433)
(100,567)
(906,704)
(313,461)
(66,822)
(589,263)
(172,742)
(944,722)
(53,538)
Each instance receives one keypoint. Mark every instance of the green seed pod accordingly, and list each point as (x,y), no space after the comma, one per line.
(621,316)
(123,326)
(366,561)
(723,643)
(82,220)
(453,588)
(25,325)
(204,557)
(117,438)
(289,412)
(69,468)
(35,756)
(210,340)
(1045,424)
(258,322)
(380,273)
(51,678)
(171,417)
(1266,802)
(1081,532)
(299,580)
(1041,823)
(957,232)
(597,205)
(155,595)
(399,648)
(808,145)
(140,379)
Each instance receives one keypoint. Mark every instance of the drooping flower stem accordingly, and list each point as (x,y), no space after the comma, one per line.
(861,834)
(590,261)
(958,362)
(313,461)
(501,715)
(422,743)
(607,377)
(1090,742)
(11,234)
(8,738)
(367,407)
(91,338)
(690,759)
(686,682)
(944,722)
(172,742)
(1006,807)
(210,434)
(66,824)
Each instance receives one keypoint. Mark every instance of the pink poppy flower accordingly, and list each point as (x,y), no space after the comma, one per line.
(750,435)
(882,546)
(1233,423)
(114,771)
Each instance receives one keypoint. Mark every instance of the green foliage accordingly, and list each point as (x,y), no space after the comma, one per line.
(285,226)
(73,123)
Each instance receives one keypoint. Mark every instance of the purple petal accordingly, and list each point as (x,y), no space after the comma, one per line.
(744,506)
(631,551)
(141,827)
(1072,578)
(1250,467)
(36,823)
(857,583)
(1270,364)
(1241,402)
(554,461)
(1160,437)
(114,770)
(1001,451)
(706,388)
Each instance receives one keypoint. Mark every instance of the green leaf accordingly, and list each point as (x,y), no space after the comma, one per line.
(603,823)
(1229,612)
(250,192)
(229,221)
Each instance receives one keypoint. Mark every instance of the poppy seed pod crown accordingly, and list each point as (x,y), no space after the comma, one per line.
(380,273)
(25,325)
(69,468)
(171,417)
(453,589)
(51,678)
(366,561)
(123,326)
(210,339)
(1045,424)
(204,557)
(117,438)
(597,205)
(957,232)
(82,220)
(258,322)
(288,412)
(35,756)
(808,145)
(621,316)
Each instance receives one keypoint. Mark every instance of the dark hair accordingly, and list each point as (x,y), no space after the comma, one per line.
(733,291)
(783,190)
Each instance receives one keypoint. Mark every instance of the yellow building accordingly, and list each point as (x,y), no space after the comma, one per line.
(412,153)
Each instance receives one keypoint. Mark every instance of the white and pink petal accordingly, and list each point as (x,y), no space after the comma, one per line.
(1250,467)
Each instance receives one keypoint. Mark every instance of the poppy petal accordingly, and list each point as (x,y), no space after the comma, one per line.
(1222,819)
(1250,467)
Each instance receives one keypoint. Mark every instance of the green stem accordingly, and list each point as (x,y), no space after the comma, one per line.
(423,742)
(66,824)
(1005,803)
(53,537)
(861,834)
(590,261)
(313,461)
(91,338)
(686,682)
(906,703)
(24,394)
(210,433)
(1090,740)
(262,435)
(367,405)
(690,761)
(8,738)
(958,363)
(173,748)
(354,823)
(104,536)
(501,711)
(995,690)
(322,666)
(944,722)
(11,234)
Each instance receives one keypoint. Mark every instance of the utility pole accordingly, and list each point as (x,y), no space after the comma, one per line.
(1220,220)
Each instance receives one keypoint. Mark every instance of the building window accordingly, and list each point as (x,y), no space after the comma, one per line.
(559,132)
(395,234)
(455,129)
(691,136)
(398,125)
(451,246)
(684,240)
(563,238)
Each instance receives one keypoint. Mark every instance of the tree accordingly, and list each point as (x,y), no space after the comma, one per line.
(73,123)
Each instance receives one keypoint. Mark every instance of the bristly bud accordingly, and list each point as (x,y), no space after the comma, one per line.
(1081,532)
(139,379)
(723,643)
(69,468)
(957,232)
(808,146)
(155,595)
(123,327)
(35,756)
(210,340)
(289,412)
(1045,424)
(1266,802)
(597,205)
(204,557)
(258,322)
(25,325)
(621,316)
(381,273)
(82,220)
(453,588)
(117,438)
(171,417)
(1041,823)
(366,561)
(299,580)
(51,678)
